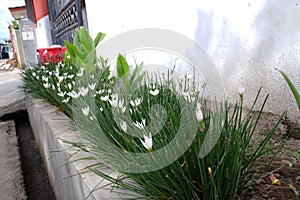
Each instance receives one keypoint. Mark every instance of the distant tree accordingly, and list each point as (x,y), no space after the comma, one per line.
(15,24)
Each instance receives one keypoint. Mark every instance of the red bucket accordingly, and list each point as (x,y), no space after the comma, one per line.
(51,54)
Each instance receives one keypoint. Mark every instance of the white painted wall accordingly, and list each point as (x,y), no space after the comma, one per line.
(245,39)
(43,33)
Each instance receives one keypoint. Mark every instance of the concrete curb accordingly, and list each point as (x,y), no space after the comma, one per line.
(50,127)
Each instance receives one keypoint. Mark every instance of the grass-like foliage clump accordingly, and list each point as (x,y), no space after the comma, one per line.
(164,138)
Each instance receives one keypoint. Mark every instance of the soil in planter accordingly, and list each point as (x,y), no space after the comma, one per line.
(285,166)
(36,181)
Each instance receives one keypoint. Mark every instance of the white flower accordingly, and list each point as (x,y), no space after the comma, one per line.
(104,98)
(91,118)
(61,94)
(154,92)
(33,74)
(99,92)
(121,103)
(136,102)
(123,125)
(83,91)
(120,106)
(60,78)
(101,109)
(114,100)
(199,113)
(92,76)
(147,142)
(92,86)
(74,94)
(86,110)
(241,90)
(70,86)
(140,125)
(46,85)
(53,87)
(189,96)
(45,78)
(122,109)
(110,76)
(66,100)
(70,76)
(81,72)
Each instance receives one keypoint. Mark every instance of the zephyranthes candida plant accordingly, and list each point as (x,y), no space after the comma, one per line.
(151,128)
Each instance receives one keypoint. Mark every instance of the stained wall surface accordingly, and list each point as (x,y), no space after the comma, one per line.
(245,40)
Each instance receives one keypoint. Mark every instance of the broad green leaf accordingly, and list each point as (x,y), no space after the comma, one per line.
(70,48)
(85,39)
(73,50)
(91,57)
(86,50)
(122,66)
(76,41)
(292,87)
(99,38)
(79,61)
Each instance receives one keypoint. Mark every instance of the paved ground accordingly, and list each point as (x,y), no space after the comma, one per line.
(11,99)
(11,181)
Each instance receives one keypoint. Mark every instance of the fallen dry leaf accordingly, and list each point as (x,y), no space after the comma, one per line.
(275,181)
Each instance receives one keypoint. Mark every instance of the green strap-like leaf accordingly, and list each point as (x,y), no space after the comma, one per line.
(293,88)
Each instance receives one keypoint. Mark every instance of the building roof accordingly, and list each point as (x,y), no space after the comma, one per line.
(18,12)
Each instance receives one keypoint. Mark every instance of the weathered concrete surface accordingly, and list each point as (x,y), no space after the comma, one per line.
(11,97)
(245,40)
(11,185)
(50,128)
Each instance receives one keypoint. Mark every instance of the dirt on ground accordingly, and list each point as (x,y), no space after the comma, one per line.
(36,181)
(33,174)
(11,180)
(285,166)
